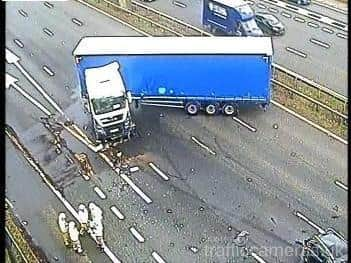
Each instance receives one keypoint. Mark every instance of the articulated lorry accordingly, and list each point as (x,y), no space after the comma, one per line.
(231,17)
(213,74)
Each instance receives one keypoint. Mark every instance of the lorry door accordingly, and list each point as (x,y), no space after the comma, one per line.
(218,16)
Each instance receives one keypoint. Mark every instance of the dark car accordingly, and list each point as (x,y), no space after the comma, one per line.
(270,24)
(329,247)
(300,2)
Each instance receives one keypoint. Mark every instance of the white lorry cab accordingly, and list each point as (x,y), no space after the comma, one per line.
(108,103)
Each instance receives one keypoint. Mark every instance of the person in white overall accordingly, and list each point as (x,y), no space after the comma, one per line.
(83,217)
(63,225)
(74,236)
(96,224)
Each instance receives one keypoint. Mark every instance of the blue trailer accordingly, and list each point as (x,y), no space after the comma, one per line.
(214,74)
(231,17)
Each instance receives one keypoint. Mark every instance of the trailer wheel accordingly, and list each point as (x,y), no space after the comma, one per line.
(211,109)
(230,109)
(192,108)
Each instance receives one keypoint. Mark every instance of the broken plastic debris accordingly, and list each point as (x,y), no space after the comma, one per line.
(201,208)
(24,222)
(275,126)
(169,211)
(249,179)
(194,249)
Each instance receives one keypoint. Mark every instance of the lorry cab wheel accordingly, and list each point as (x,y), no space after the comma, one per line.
(230,109)
(192,108)
(211,109)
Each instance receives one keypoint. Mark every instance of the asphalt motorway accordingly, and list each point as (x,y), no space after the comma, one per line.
(254,181)
(324,62)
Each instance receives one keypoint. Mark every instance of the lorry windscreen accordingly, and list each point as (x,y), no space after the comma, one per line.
(108,104)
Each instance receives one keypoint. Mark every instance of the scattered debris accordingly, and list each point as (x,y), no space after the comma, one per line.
(194,249)
(241,238)
(230,228)
(249,179)
(145,211)
(85,165)
(192,170)
(171,244)
(24,222)
(56,258)
(293,154)
(275,126)
(336,208)
(273,220)
(161,114)
(169,211)
(134,169)
(201,208)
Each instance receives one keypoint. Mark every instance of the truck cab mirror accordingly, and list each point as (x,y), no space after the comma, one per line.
(129,97)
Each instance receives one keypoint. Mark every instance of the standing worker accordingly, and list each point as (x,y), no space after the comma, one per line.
(96,226)
(95,212)
(83,217)
(74,236)
(63,225)
(99,235)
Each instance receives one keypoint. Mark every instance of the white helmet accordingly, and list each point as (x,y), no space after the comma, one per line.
(62,216)
(71,224)
(81,207)
(92,206)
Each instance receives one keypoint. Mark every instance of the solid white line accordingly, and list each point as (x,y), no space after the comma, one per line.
(296,52)
(327,30)
(253,129)
(258,258)
(287,15)
(18,43)
(137,235)
(308,221)
(340,184)
(48,71)
(48,32)
(157,257)
(8,202)
(311,24)
(344,12)
(158,171)
(309,122)
(77,22)
(117,212)
(299,19)
(203,145)
(31,99)
(319,43)
(99,192)
(128,180)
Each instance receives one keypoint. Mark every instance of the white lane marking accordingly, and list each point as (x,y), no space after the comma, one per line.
(58,194)
(341,35)
(48,32)
(328,6)
(8,202)
(99,192)
(299,19)
(158,171)
(117,212)
(203,145)
(48,5)
(31,99)
(133,169)
(23,13)
(259,5)
(128,180)
(340,184)
(257,257)
(180,4)
(273,10)
(250,2)
(157,257)
(327,30)
(308,221)
(311,24)
(137,235)
(48,71)
(285,14)
(253,129)
(77,22)
(296,52)
(18,43)
(319,43)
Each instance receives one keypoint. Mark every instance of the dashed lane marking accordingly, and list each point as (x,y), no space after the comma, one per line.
(48,71)
(245,124)
(180,4)
(311,24)
(158,171)
(18,43)
(319,43)
(327,30)
(308,221)
(285,14)
(48,32)
(273,10)
(117,212)
(77,22)
(259,5)
(137,235)
(296,52)
(99,192)
(341,35)
(48,5)
(299,19)
(23,13)
(203,145)
(340,184)
(157,257)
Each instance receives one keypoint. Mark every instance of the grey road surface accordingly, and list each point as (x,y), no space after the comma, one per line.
(327,66)
(254,182)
